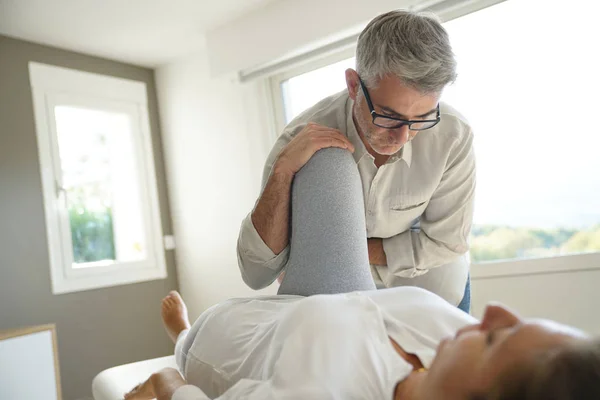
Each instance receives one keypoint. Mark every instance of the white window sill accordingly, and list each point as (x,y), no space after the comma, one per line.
(559,264)
(96,278)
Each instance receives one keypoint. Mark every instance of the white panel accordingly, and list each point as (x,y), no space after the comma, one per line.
(216,137)
(112,383)
(568,297)
(27,368)
(530,266)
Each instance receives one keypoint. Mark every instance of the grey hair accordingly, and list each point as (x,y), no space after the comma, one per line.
(413,46)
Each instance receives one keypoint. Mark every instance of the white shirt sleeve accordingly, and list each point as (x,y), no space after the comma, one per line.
(189,392)
(253,390)
(258,264)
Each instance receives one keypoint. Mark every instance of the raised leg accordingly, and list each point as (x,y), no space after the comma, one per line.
(328,243)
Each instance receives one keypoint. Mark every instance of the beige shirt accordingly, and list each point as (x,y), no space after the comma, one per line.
(420,202)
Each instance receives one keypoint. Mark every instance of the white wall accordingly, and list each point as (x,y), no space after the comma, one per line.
(285,28)
(568,297)
(216,136)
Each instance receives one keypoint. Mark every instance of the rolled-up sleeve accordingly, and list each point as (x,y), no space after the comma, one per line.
(446,223)
(258,264)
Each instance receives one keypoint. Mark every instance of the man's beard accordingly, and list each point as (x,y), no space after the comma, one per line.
(363,128)
(369,136)
(367,131)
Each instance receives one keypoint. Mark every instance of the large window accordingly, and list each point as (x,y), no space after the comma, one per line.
(97,172)
(528,85)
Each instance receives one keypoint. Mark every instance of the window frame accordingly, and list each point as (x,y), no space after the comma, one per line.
(275,81)
(52,86)
(566,263)
(481,270)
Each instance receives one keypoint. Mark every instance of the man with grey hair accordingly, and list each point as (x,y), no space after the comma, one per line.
(415,175)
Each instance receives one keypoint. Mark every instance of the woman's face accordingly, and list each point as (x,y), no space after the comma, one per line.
(477,355)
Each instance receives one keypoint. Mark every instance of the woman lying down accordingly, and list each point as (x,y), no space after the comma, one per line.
(398,344)
(395,344)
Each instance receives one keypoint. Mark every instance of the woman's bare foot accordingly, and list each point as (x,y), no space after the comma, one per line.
(174,315)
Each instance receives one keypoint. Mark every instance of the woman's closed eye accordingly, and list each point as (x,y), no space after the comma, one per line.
(489,339)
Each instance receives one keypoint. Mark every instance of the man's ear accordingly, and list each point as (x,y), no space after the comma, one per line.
(352,82)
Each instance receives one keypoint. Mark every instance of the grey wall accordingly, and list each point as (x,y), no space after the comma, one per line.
(97,329)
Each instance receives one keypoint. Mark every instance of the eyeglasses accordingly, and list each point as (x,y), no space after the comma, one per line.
(384,121)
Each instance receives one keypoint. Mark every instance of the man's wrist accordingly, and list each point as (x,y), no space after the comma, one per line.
(377,254)
(281,173)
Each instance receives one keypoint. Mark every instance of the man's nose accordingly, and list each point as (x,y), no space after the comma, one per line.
(403,134)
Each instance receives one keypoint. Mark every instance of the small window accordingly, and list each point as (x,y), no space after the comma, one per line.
(100,192)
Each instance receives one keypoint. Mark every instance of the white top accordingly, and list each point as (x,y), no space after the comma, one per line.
(320,347)
(431,180)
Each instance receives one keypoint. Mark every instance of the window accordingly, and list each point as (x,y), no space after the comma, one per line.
(100,194)
(302,91)
(529,91)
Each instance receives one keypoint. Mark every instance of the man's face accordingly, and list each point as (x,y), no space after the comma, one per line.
(391,98)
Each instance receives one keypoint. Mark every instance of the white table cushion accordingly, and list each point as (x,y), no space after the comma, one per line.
(113,383)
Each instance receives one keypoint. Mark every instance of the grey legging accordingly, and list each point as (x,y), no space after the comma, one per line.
(328,243)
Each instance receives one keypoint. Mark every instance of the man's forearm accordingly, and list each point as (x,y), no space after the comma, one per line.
(272,212)
(376,253)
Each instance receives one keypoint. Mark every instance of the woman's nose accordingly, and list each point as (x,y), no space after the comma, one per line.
(497,316)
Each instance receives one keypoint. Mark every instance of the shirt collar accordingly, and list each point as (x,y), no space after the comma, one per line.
(360,150)
(406,153)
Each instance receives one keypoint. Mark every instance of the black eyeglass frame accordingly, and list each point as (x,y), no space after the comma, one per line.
(401,121)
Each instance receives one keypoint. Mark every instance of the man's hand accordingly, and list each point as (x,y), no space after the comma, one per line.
(271,216)
(305,144)
(376,253)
